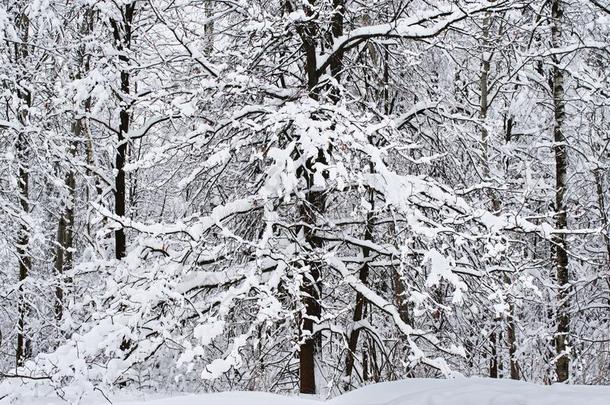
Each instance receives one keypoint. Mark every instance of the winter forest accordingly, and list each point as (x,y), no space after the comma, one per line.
(303,196)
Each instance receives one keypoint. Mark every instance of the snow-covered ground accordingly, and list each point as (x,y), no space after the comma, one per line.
(472,391)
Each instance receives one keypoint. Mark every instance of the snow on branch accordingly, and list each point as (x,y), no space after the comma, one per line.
(405,28)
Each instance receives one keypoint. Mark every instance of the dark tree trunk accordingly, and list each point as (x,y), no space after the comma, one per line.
(25,261)
(360,302)
(209,28)
(122,32)
(562,366)
(601,203)
(494,361)
(315,201)
(314,205)
(310,291)
(24,346)
(120,184)
(512,345)
(336,62)
(493,358)
(65,232)
(65,226)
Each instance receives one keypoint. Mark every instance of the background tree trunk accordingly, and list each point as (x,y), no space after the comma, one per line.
(122,32)
(360,301)
(23,350)
(562,367)
(65,231)
(25,261)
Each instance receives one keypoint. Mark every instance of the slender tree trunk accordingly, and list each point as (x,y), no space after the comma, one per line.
(25,261)
(484,107)
(493,358)
(562,366)
(209,28)
(60,267)
(122,32)
(601,203)
(313,206)
(399,297)
(120,184)
(365,361)
(494,361)
(336,63)
(484,103)
(65,232)
(65,226)
(315,202)
(23,240)
(310,291)
(360,301)
(512,344)
(515,373)
(23,350)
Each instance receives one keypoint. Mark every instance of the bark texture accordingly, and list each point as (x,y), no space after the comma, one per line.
(562,365)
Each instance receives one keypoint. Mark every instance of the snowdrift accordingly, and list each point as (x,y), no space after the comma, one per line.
(474,391)
(461,391)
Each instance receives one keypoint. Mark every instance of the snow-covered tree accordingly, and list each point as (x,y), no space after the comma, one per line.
(303,195)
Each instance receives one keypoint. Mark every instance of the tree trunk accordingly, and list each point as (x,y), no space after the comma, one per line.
(511,335)
(310,292)
(314,205)
(315,201)
(494,361)
(360,302)
(59,267)
(65,232)
(209,28)
(23,350)
(493,358)
(336,62)
(562,366)
(601,203)
(23,240)
(512,344)
(122,32)
(25,261)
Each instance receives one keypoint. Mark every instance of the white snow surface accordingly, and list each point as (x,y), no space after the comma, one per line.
(459,391)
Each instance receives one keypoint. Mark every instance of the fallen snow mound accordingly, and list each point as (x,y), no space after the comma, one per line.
(474,391)
(462,391)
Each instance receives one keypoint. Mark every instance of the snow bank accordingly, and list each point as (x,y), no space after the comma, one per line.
(227,398)
(474,391)
(461,391)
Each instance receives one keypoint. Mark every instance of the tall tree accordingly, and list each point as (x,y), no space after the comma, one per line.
(64,251)
(562,367)
(122,32)
(20,58)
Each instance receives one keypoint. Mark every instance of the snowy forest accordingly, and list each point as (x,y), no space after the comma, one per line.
(303,196)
